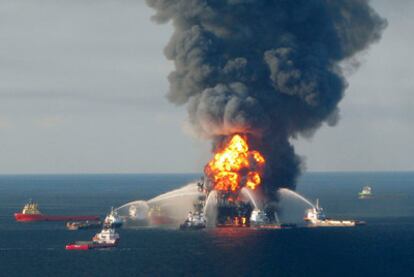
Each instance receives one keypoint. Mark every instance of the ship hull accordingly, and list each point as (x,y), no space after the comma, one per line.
(89,245)
(337,223)
(192,227)
(77,247)
(266,226)
(80,225)
(41,217)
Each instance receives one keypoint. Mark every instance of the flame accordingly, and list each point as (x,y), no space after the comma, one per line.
(235,166)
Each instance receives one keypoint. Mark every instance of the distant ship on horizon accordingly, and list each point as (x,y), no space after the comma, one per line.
(366,192)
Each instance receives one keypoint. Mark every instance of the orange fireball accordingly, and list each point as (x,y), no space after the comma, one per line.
(235,166)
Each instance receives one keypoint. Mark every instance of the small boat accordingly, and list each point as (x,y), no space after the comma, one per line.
(194,221)
(83,225)
(107,238)
(32,213)
(365,193)
(113,220)
(260,220)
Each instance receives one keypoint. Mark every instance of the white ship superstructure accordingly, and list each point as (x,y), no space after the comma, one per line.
(106,236)
(365,193)
(195,220)
(258,217)
(113,220)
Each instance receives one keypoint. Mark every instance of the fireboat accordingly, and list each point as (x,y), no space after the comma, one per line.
(194,221)
(315,217)
(197,220)
(113,220)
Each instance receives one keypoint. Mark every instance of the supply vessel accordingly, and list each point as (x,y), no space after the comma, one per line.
(113,220)
(107,238)
(315,217)
(31,213)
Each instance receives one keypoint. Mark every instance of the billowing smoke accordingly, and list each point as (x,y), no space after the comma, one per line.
(268,68)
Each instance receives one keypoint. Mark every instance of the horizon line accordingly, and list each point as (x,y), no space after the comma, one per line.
(195,173)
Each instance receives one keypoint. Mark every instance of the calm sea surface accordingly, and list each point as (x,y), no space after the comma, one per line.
(385,247)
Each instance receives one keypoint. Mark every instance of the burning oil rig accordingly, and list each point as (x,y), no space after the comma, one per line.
(233,168)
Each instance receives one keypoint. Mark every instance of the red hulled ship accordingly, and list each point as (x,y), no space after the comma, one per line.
(31,213)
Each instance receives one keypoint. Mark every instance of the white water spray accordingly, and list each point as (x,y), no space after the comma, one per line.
(130,204)
(190,189)
(277,218)
(288,192)
(172,196)
(174,205)
(249,194)
(210,209)
(211,201)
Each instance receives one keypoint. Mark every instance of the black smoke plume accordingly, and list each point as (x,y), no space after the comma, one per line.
(267,68)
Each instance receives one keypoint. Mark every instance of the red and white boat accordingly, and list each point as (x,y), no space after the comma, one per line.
(107,238)
(32,213)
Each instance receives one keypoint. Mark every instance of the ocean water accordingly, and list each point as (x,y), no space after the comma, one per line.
(384,247)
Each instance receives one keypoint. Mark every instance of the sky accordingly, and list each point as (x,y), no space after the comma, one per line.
(83,85)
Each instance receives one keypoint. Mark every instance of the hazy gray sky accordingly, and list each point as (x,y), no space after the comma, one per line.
(82,87)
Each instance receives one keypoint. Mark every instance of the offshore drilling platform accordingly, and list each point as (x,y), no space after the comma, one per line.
(231,176)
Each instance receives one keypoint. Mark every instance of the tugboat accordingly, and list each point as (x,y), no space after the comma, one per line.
(113,220)
(365,193)
(194,221)
(260,220)
(258,217)
(315,217)
(83,225)
(107,238)
(31,213)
